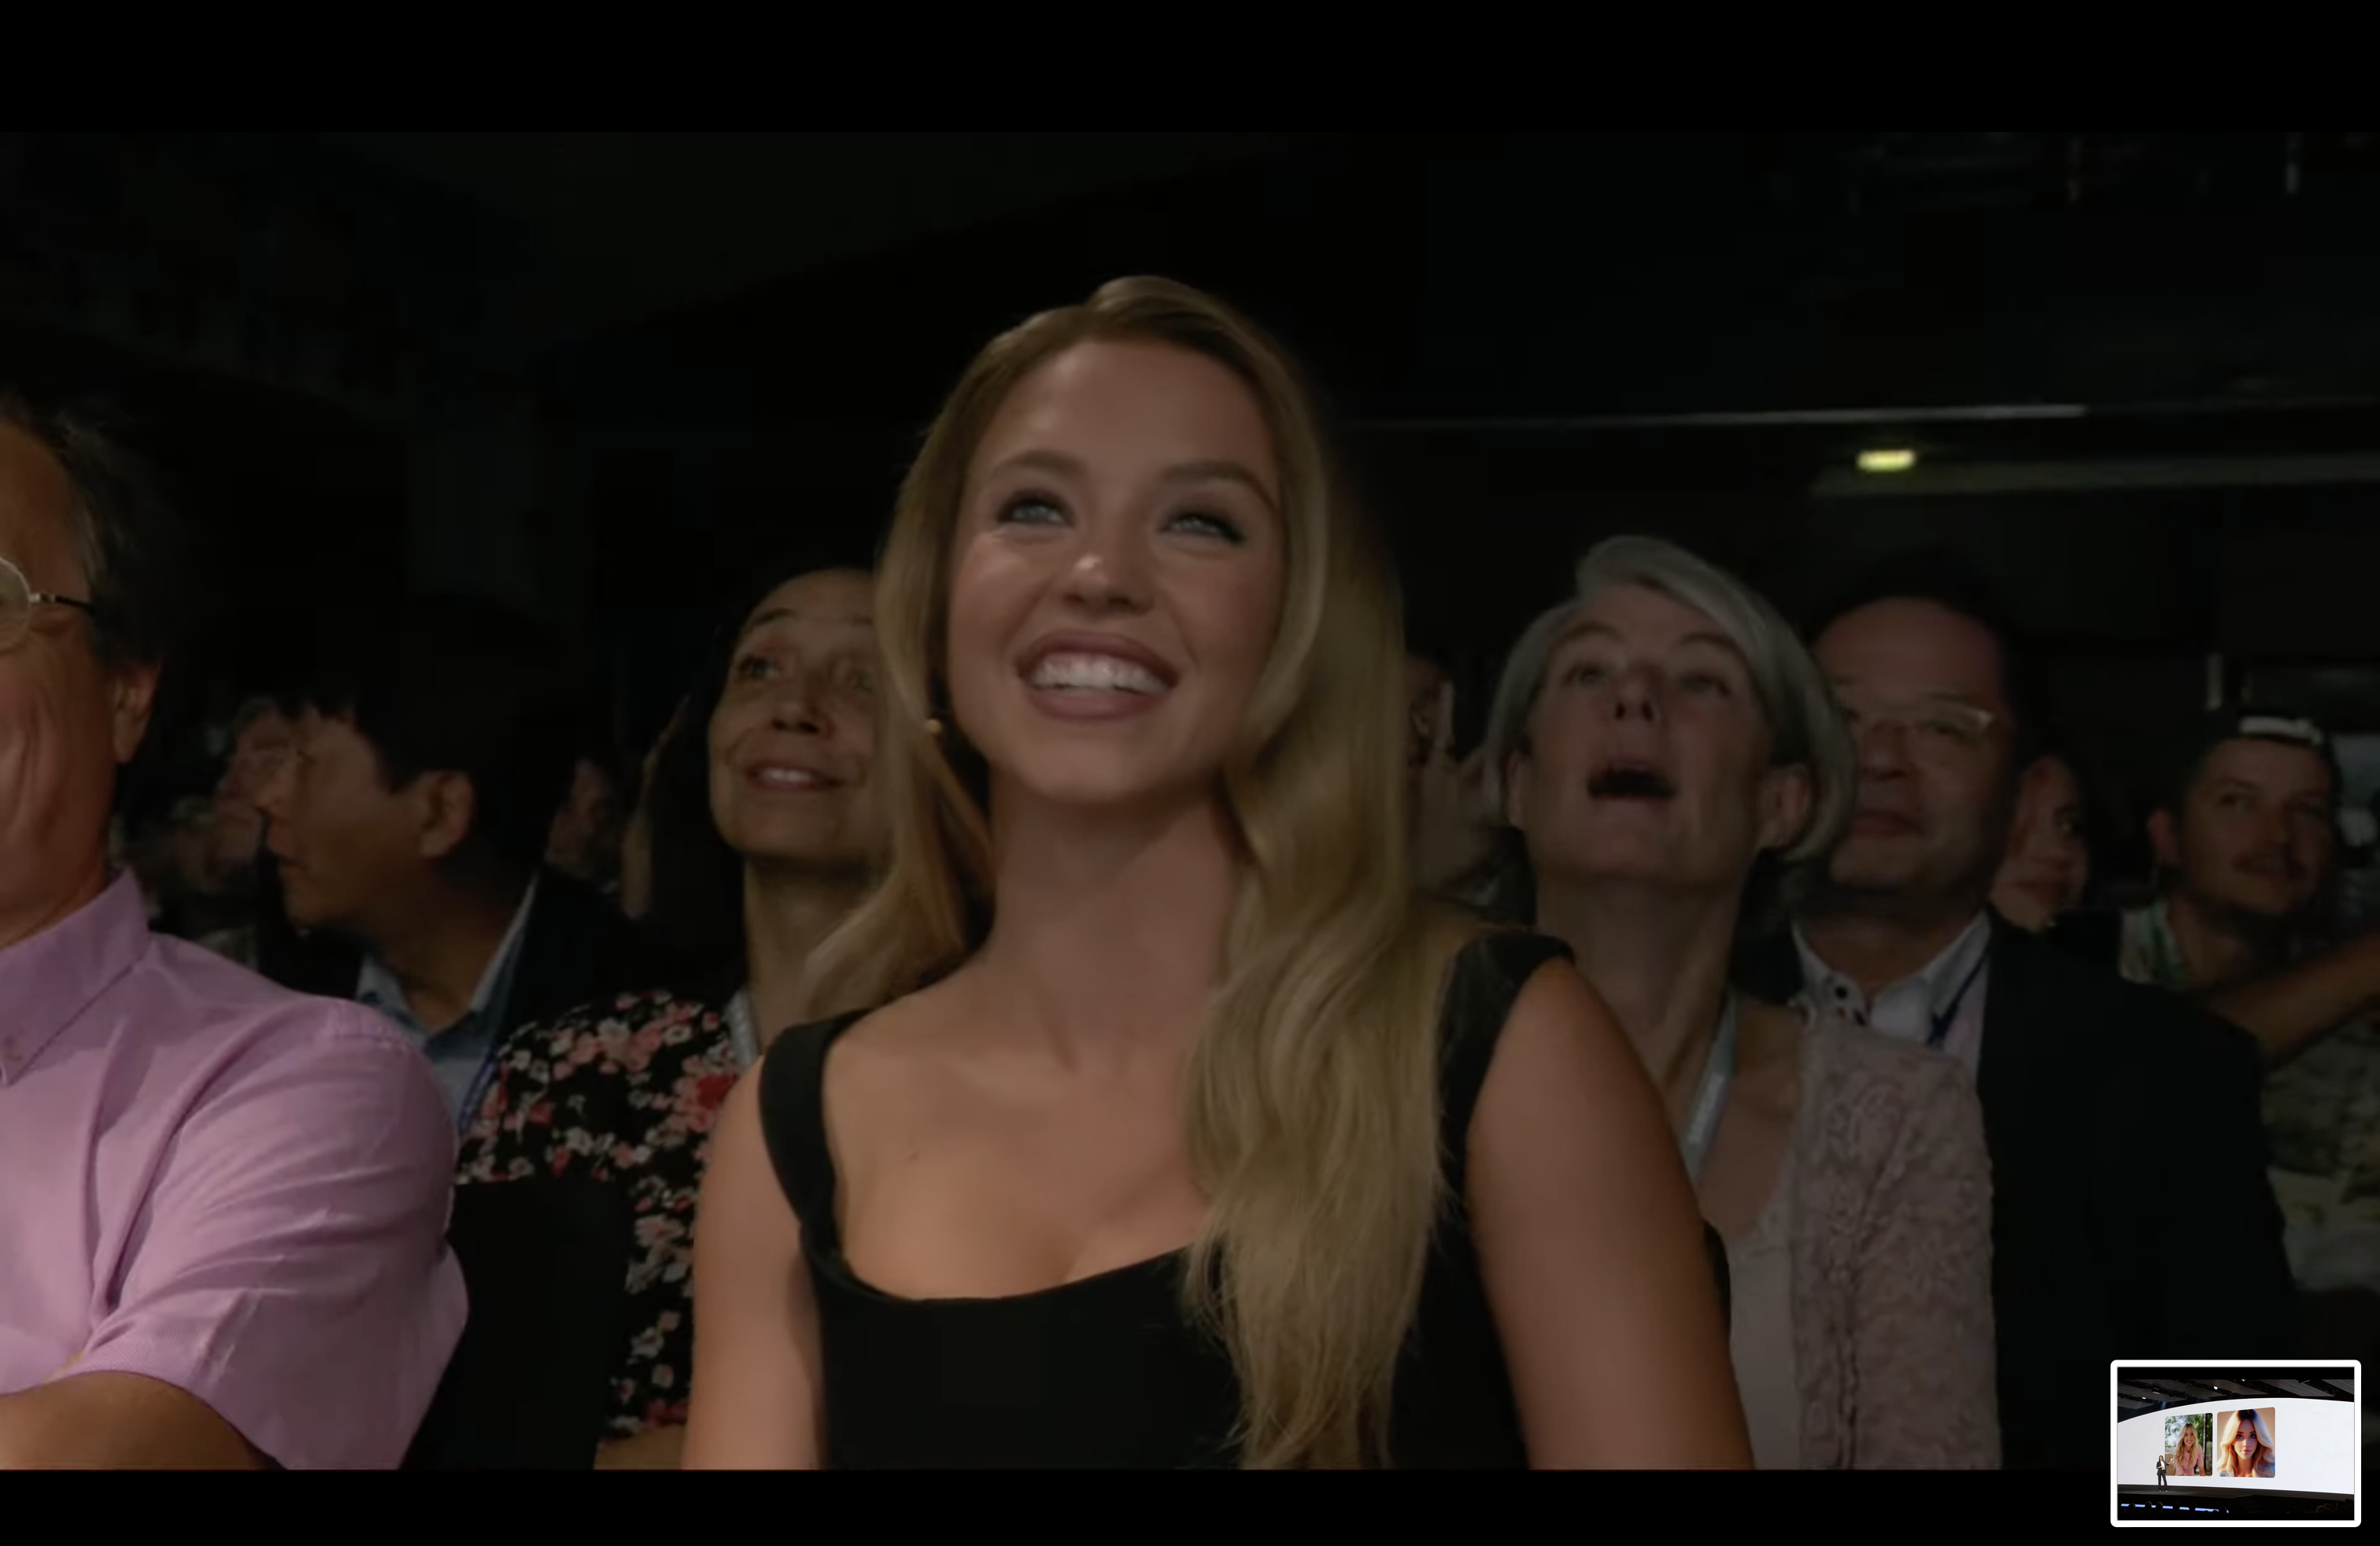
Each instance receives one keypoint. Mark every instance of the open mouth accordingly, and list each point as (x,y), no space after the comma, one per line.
(786,779)
(1073,671)
(1630,781)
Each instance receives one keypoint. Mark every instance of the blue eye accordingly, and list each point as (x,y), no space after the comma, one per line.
(1210,526)
(1032,509)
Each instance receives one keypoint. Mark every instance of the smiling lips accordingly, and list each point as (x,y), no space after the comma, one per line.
(788,779)
(1087,673)
(1092,676)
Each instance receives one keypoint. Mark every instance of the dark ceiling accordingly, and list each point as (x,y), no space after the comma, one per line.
(2142,1391)
(730,336)
(620,229)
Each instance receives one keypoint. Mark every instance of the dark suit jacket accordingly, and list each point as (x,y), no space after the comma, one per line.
(2131,1213)
(576,949)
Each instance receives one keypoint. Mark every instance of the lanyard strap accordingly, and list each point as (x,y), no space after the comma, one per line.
(1943,1022)
(1712,1097)
(741,1034)
(476,1095)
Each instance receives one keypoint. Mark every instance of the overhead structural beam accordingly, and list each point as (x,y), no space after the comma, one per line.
(1779,418)
(2090,477)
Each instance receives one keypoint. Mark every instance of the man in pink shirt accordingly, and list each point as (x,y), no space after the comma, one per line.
(223,1206)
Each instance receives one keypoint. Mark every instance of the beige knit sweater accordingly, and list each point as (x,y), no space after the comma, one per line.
(1890,1229)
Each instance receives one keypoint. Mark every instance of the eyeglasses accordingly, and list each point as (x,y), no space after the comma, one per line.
(18,600)
(1939,725)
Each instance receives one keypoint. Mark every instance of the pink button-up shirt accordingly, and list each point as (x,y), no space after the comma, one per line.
(220,1184)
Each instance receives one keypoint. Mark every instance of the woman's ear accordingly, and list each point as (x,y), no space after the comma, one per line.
(1785,799)
(1516,791)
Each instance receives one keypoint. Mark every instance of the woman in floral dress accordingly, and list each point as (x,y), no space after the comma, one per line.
(766,833)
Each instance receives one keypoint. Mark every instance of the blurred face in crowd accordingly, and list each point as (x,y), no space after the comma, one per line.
(1648,754)
(1423,682)
(585,842)
(257,753)
(1118,576)
(792,742)
(2049,867)
(637,831)
(2256,833)
(67,718)
(353,852)
(1922,689)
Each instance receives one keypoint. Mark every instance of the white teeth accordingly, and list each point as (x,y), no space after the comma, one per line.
(787,778)
(1094,674)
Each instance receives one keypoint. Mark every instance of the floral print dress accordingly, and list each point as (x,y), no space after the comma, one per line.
(625,1093)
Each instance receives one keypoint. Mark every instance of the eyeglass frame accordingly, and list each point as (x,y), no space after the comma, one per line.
(1906,716)
(35,599)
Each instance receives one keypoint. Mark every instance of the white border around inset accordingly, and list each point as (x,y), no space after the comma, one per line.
(2115,1497)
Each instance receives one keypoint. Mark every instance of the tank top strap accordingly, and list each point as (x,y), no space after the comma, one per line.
(1482,986)
(793,1117)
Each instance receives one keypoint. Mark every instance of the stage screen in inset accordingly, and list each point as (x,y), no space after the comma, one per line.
(2289,1446)
(2245,1444)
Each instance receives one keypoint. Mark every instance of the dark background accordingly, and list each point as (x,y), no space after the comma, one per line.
(606,374)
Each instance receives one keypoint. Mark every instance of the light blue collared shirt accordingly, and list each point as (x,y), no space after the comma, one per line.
(459,1054)
(1947,994)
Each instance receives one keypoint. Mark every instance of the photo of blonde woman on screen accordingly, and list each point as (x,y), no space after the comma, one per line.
(2189,1448)
(2244,1444)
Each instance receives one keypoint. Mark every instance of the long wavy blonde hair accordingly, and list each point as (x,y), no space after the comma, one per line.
(2227,1459)
(1311,1100)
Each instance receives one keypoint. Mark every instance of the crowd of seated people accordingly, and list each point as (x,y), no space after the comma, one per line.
(1064,998)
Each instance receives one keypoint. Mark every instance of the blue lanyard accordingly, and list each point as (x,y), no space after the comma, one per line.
(1943,1021)
(1703,1123)
(741,1035)
(475,1095)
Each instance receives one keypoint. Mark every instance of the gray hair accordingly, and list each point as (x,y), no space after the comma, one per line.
(1805,726)
(125,537)
(262,706)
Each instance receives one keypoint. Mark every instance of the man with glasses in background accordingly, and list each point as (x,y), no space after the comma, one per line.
(2126,1147)
(223,1206)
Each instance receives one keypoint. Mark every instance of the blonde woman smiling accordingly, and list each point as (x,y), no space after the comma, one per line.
(1150,1140)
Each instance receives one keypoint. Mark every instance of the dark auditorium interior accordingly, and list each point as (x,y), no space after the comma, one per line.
(2132,378)
(2137,370)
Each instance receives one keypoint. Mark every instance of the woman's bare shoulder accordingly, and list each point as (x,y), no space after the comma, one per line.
(1562,1060)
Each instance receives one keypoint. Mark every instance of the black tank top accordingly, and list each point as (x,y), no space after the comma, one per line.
(1107,1372)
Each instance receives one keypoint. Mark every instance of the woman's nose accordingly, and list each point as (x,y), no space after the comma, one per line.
(1107,572)
(1635,694)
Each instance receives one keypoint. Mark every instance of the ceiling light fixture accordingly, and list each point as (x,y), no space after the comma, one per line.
(1896,459)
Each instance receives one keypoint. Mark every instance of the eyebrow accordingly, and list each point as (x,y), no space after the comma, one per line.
(1931,695)
(2246,787)
(1604,631)
(1214,470)
(780,614)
